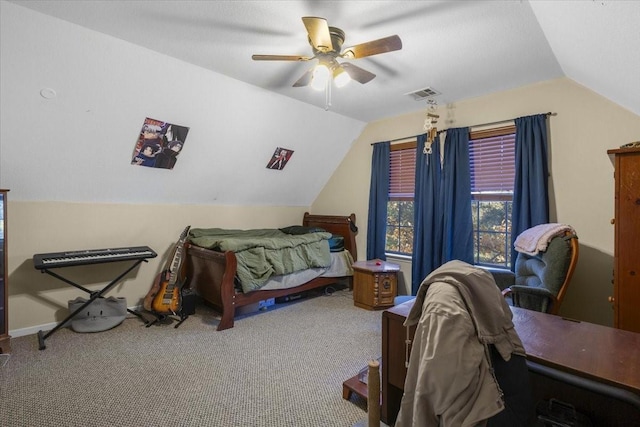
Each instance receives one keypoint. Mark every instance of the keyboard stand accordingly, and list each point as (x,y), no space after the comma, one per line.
(94,295)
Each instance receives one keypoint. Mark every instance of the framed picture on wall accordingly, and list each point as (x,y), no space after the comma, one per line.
(159,144)
(280,158)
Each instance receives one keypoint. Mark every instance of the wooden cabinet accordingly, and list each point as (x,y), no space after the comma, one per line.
(626,268)
(5,346)
(375,284)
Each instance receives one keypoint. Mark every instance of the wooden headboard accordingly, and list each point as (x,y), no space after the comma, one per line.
(344,226)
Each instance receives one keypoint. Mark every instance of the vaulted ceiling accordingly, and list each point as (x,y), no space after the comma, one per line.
(460,49)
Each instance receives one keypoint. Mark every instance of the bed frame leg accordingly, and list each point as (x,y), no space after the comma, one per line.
(226,321)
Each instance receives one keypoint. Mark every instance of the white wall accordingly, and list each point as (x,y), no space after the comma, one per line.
(66,160)
(585,126)
(78,146)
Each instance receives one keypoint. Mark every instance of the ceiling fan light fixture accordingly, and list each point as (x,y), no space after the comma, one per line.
(320,77)
(341,77)
(326,43)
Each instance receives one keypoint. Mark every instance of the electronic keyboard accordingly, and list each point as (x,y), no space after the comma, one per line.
(91,256)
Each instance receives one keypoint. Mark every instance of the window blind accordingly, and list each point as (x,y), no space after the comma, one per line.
(402,172)
(492,162)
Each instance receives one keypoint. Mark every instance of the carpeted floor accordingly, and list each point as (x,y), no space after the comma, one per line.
(282,367)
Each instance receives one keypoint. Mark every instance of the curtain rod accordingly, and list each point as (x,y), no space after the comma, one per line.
(473,126)
(498,122)
(397,139)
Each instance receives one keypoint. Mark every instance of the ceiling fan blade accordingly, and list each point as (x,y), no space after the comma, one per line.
(279,58)
(305,80)
(387,44)
(358,74)
(319,35)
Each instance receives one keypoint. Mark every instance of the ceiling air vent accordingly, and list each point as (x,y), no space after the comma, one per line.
(423,93)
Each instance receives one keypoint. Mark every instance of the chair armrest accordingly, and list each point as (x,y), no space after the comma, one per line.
(547,300)
(529,290)
(503,277)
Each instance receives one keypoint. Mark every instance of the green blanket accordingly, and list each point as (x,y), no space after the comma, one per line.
(262,253)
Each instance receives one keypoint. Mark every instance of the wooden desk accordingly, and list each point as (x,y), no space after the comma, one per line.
(394,356)
(607,355)
(581,350)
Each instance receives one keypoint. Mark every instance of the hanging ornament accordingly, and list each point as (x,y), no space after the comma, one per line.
(427,146)
(429,124)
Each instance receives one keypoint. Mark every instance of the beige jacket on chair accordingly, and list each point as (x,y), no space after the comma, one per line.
(459,311)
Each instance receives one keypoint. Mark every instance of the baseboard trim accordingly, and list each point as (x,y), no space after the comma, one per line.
(31,330)
(15,333)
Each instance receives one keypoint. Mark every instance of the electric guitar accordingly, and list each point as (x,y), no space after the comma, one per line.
(165,296)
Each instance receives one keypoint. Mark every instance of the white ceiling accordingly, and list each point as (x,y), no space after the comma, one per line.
(462,49)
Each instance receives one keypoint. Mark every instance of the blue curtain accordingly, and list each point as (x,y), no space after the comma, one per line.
(531,185)
(378,197)
(428,214)
(457,240)
(443,228)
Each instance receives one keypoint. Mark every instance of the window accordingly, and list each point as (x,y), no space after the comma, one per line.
(402,171)
(492,162)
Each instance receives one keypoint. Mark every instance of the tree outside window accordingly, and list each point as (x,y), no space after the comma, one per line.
(402,171)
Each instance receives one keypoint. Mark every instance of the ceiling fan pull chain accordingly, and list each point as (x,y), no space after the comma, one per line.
(327,95)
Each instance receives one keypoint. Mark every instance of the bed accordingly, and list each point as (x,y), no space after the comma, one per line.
(213,274)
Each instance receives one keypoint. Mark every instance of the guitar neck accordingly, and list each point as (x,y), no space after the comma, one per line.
(174,266)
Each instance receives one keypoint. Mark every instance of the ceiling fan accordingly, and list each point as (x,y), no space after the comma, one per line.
(326,43)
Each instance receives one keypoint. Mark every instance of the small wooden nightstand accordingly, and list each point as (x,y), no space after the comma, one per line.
(375,284)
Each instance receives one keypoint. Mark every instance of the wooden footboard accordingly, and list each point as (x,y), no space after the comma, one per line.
(212,273)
